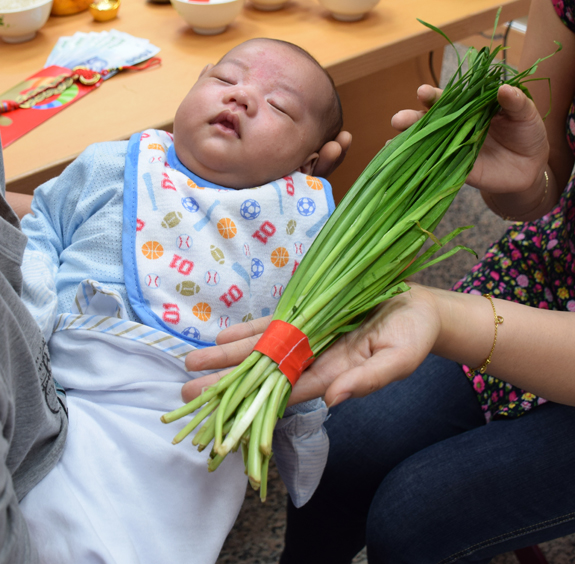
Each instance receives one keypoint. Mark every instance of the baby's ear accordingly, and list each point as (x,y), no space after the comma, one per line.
(206,69)
(309,165)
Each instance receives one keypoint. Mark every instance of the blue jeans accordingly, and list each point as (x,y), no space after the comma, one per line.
(415,474)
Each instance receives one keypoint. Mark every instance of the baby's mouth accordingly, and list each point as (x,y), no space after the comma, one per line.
(227,122)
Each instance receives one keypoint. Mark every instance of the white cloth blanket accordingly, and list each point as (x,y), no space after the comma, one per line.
(122,493)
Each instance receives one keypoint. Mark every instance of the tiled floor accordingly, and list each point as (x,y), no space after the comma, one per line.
(257,537)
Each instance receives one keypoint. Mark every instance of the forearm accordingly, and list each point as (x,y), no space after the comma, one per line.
(553,95)
(534,348)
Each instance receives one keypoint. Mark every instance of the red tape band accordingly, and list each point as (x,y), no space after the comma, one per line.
(288,347)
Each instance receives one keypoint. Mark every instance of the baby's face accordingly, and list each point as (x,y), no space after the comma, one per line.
(252,118)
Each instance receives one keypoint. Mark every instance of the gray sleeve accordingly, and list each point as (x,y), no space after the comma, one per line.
(33,421)
(15,544)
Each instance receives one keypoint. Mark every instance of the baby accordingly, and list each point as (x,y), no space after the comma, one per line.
(142,251)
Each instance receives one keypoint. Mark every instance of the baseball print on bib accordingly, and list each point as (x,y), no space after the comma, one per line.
(200,257)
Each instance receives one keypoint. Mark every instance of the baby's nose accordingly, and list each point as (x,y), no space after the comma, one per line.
(241,98)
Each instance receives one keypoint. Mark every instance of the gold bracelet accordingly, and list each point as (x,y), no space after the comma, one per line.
(509,218)
(498,321)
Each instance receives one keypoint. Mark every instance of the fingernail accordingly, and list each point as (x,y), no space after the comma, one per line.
(338,399)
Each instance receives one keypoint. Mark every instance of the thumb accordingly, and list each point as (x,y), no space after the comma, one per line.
(515,105)
(386,366)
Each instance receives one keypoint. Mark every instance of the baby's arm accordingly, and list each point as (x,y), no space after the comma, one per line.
(50,229)
(40,263)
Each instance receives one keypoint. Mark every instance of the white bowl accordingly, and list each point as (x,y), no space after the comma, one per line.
(208,17)
(269,5)
(348,10)
(21,24)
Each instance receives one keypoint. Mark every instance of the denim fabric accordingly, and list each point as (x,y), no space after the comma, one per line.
(416,474)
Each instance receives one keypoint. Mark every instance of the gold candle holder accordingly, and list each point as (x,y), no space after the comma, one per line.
(104,10)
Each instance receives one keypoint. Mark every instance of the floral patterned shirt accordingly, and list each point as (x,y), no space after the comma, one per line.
(534,264)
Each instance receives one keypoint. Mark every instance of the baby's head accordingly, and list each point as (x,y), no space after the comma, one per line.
(263,111)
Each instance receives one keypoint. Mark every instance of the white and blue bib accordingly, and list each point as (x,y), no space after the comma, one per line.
(200,257)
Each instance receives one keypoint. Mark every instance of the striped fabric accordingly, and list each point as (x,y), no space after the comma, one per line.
(125,329)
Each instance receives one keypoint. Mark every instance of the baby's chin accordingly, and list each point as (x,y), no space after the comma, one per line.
(231,177)
(215,165)
(230,180)
(251,180)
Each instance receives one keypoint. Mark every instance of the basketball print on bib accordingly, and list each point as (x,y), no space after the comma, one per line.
(202,311)
(152,250)
(280,257)
(227,228)
(314,183)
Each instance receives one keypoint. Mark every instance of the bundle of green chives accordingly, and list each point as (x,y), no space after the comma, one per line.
(361,257)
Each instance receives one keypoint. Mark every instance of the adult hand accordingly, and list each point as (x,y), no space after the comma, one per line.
(388,346)
(233,346)
(20,203)
(516,149)
(332,154)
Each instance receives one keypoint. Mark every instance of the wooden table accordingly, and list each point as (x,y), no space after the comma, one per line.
(376,63)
